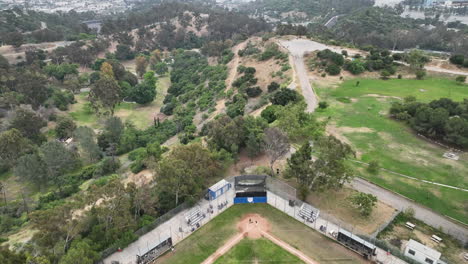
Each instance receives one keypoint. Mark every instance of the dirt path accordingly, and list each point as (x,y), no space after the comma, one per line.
(254,226)
(221,105)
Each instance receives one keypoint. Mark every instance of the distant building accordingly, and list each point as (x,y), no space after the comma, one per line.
(421,253)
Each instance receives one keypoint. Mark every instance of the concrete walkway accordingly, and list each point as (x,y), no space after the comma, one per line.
(457,230)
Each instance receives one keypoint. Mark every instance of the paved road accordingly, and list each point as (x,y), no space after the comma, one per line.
(307,90)
(420,212)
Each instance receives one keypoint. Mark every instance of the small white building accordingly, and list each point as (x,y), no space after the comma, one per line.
(421,253)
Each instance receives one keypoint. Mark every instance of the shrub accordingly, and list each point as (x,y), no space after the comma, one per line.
(457,59)
(333,69)
(397,56)
(460,79)
(253,91)
(273,86)
(137,166)
(344,53)
(373,167)
(139,153)
(420,74)
(284,96)
(323,105)
(269,113)
(400,76)
(355,67)
(385,75)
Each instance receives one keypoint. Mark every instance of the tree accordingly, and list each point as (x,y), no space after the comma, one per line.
(28,123)
(14,38)
(124,52)
(373,167)
(86,138)
(80,252)
(160,68)
(4,63)
(58,160)
(416,60)
(460,79)
(31,167)
(298,167)
(61,70)
(12,146)
(105,93)
(144,92)
(284,96)
(364,202)
(329,168)
(226,133)
(33,86)
(65,127)
(185,172)
(141,64)
(276,145)
(155,58)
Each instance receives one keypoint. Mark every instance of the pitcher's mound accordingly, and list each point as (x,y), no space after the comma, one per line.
(252,225)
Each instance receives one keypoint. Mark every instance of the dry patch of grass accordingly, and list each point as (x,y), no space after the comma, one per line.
(337,203)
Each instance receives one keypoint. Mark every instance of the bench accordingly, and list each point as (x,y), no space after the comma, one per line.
(436,239)
(308,213)
(410,225)
(194,216)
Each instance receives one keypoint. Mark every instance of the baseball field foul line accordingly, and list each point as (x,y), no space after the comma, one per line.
(237,238)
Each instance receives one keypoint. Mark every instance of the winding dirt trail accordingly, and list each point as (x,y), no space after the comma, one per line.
(254,226)
(233,64)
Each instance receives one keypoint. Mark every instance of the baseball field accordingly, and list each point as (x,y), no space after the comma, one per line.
(252,233)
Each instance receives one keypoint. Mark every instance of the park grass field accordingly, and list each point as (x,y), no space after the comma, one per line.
(257,251)
(205,241)
(360,115)
(140,116)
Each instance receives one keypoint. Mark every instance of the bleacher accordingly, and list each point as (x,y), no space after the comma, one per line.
(308,213)
(194,216)
(155,252)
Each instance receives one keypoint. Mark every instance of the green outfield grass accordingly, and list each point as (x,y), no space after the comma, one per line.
(257,251)
(363,119)
(424,90)
(205,241)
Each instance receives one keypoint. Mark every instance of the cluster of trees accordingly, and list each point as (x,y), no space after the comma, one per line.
(443,120)
(195,85)
(314,8)
(79,52)
(112,83)
(18,26)
(327,170)
(220,24)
